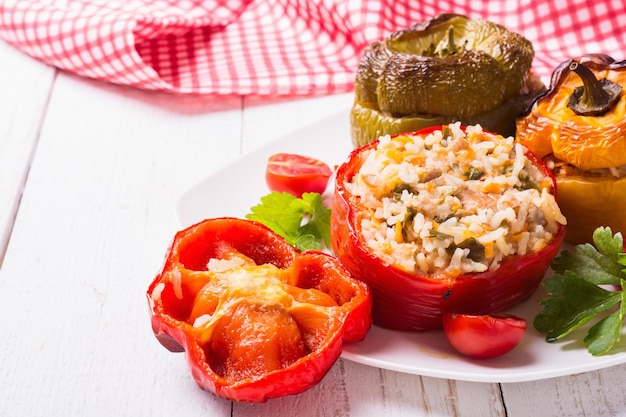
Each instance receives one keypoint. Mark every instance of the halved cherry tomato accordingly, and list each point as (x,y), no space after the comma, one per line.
(483,336)
(296,174)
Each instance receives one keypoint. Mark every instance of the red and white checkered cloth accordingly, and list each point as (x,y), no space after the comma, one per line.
(285,47)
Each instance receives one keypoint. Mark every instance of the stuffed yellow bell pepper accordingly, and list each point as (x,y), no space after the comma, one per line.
(578,126)
(450,68)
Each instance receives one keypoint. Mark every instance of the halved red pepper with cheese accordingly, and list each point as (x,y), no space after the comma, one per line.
(412,300)
(257,318)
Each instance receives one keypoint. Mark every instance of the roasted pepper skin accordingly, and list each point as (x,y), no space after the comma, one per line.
(449,68)
(368,122)
(316,293)
(413,301)
(552,130)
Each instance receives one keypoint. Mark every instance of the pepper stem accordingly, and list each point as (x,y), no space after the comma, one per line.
(595,97)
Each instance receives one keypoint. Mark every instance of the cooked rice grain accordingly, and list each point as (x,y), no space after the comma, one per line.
(455,203)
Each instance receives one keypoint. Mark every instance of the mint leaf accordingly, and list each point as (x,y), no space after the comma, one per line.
(575,295)
(302,222)
(319,223)
(274,211)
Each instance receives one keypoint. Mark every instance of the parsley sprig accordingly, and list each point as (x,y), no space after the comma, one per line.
(588,283)
(303,222)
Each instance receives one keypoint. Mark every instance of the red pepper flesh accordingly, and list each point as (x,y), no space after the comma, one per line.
(265,321)
(415,301)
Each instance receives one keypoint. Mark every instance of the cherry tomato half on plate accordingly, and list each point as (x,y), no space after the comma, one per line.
(296,174)
(483,336)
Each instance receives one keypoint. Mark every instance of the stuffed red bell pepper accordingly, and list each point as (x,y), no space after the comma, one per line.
(448,219)
(257,318)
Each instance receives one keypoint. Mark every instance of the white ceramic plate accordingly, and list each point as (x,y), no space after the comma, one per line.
(234,189)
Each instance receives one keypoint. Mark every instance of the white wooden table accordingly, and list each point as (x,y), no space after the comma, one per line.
(89,174)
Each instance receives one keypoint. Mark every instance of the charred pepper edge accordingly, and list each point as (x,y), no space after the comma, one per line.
(596,96)
(514,56)
(559,73)
(370,69)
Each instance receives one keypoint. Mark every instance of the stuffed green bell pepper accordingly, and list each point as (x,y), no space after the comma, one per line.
(447,69)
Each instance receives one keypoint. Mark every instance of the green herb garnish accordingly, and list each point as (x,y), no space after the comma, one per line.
(474,173)
(303,222)
(588,283)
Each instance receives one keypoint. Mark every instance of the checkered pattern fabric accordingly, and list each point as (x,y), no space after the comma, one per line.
(284,47)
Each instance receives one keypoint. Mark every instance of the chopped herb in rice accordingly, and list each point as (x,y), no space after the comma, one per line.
(453,202)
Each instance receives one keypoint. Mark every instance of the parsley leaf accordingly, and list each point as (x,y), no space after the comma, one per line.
(303,222)
(599,266)
(575,296)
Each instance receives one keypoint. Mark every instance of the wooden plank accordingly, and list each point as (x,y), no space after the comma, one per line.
(352,389)
(95,221)
(25,85)
(411,395)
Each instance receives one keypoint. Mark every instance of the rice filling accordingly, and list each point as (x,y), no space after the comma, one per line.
(453,201)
